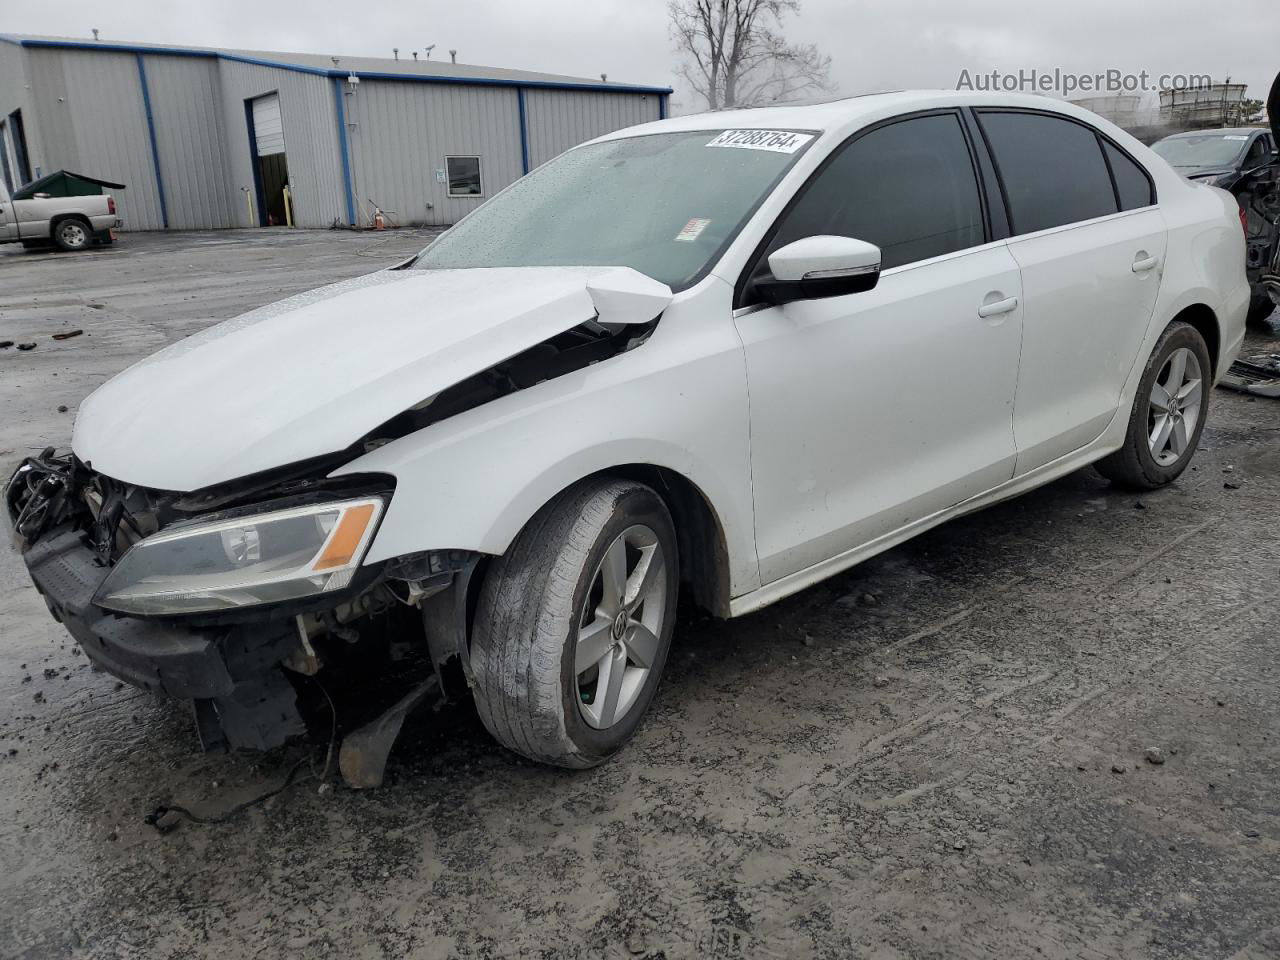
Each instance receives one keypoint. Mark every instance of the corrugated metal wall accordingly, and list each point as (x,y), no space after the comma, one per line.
(401,132)
(310,140)
(560,119)
(191,141)
(83,111)
(48,93)
(94,123)
(14,95)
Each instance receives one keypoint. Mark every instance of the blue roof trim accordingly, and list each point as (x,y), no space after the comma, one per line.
(327,72)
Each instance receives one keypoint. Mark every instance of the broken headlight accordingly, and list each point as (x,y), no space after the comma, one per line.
(245,561)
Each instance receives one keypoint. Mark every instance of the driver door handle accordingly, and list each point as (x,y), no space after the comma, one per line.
(999,307)
(1142,263)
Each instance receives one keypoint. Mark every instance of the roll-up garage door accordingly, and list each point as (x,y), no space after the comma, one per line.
(268,131)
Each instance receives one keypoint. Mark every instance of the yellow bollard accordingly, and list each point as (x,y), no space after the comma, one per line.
(288,206)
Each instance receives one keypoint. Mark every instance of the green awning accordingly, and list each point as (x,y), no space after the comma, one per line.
(64,183)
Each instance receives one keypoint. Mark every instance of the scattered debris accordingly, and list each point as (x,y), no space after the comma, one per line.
(1230,486)
(807,640)
(882,681)
(960,845)
(869,600)
(39,697)
(67,335)
(26,346)
(5,344)
(157,817)
(363,755)
(1117,768)
(1154,756)
(1258,375)
(62,408)
(1139,505)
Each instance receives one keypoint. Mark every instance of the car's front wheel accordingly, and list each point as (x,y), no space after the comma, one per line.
(1168,412)
(574,622)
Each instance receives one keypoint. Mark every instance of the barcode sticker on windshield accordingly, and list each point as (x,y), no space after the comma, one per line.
(692,230)
(775,141)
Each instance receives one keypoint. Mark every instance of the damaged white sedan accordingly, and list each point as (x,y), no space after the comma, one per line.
(719,357)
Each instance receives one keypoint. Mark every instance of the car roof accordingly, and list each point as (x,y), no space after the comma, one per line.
(849,113)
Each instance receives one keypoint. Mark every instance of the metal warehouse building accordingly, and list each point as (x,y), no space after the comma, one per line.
(207,138)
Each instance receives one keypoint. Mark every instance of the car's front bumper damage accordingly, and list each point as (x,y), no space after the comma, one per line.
(231,673)
(241,671)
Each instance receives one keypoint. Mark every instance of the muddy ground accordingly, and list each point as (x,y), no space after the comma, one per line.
(938,754)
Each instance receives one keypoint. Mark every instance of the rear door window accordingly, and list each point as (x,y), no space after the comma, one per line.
(908,187)
(1052,169)
(1133,185)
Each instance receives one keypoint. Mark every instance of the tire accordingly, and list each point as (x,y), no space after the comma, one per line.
(1146,461)
(548,594)
(72,234)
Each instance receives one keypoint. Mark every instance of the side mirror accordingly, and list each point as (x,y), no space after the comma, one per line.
(822,266)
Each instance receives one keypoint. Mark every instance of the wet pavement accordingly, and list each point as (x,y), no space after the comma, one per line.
(1048,729)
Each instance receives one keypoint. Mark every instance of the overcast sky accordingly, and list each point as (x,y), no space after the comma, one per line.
(873,46)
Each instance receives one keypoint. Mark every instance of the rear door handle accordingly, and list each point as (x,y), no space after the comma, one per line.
(999,307)
(1142,263)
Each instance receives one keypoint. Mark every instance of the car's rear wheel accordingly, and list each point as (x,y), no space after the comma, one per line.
(1168,412)
(71,234)
(574,622)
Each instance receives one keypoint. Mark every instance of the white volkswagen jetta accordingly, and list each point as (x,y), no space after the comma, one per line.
(728,354)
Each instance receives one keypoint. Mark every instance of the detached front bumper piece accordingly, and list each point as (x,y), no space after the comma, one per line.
(241,696)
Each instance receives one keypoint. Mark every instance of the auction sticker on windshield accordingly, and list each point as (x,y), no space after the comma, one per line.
(776,141)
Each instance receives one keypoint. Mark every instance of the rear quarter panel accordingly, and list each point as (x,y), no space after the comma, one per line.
(1205,263)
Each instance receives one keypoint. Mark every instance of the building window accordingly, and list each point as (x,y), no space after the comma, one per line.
(463,174)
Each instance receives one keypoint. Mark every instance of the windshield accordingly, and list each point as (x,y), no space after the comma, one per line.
(664,204)
(1208,150)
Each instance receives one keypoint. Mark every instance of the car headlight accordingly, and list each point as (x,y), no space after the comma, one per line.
(244,561)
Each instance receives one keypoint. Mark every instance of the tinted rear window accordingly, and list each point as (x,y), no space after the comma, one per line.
(1052,169)
(1132,182)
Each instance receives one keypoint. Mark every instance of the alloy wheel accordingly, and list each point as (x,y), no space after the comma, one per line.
(1177,396)
(619,626)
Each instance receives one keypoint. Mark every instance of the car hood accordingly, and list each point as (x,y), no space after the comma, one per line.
(312,374)
(1199,172)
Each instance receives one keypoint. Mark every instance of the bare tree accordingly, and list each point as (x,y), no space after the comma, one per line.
(735,54)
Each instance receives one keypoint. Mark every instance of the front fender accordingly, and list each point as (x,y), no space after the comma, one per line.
(678,401)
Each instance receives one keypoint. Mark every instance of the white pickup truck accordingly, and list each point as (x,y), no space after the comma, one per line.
(66,209)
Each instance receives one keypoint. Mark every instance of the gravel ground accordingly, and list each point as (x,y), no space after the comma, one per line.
(1048,729)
